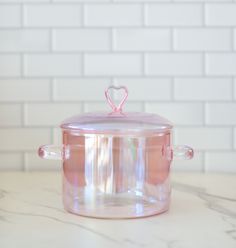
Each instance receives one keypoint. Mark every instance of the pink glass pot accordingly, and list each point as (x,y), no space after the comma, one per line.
(116,165)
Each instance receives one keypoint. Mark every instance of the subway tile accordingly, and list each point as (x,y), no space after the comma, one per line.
(82,89)
(96,106)
(52,15)
(204,138)
(10,65)
(202,39)
(221,113)
(158,88)
(174,84)
(24,40)
(196,164)
(11,161)
(57,136)
(175,64)
(10,115)
(23,139)
(81,40)
(43,65)
(10,16)
(174,14)
(104,107)
(49,114)
(202,89)
(178,113)
(221,161)
(110,15)
(219,14)
(113,64)
(221,64)
(24,90)
(130,39)
(34,163)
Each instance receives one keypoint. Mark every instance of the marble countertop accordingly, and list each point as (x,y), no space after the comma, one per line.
(202,214)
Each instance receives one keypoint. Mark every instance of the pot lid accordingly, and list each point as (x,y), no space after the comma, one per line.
(117,120)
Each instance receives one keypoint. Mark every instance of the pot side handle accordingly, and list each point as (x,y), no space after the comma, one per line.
(51,152)
(183,152)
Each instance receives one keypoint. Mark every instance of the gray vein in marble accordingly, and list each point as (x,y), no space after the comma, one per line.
(232,231)
(52,191)
(194,189)
(133,242)
(167,243)
(41,205)
(3,219)
(202,194)
(102,235)
(49,207)
(3,193)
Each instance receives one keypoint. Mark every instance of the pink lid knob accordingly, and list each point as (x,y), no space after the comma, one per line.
(110,101)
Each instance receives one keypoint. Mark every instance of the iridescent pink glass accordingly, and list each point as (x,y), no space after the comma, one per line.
(116,165)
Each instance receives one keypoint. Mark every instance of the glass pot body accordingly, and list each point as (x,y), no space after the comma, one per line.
(116,165)
(116,176)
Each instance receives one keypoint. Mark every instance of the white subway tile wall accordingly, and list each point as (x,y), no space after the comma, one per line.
(177,57)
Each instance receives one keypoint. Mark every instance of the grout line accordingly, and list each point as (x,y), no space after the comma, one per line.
(204,106)
(172,93)
(51,40)
(121,52)
(82,12)
(110,2)
(233,82)
(22,14)
(21,65)
(233,41)
(133,76)
(144,15)
(143,64)
(75,27)
(204,64)
(82,64)
(172,40)
(204,15)
(51,89)
(104,77)
(113,44)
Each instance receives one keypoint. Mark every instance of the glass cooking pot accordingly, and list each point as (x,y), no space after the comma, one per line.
(116,165)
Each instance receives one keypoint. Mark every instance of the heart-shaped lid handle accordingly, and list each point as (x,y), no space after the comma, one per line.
(116,108)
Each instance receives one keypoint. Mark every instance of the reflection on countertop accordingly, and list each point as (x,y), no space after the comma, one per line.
(202,214)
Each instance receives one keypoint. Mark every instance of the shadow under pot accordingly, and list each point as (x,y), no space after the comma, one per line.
(116,165)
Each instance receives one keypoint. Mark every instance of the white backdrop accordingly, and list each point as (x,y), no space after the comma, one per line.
(177,58)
